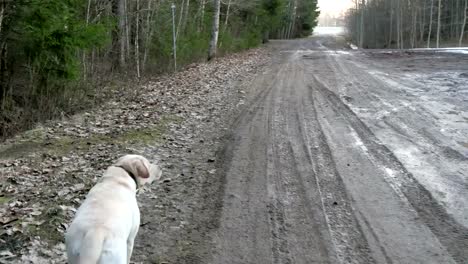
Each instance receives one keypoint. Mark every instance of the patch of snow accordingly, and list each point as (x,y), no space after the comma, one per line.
(440,175)
(352,46)
(343,52)
(453,48)
(390,175)
(458,50)
(446,191)
(299,51)
(335,52)
(390,172)
(359,142)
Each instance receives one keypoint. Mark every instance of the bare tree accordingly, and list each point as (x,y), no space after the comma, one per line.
(390,38)
(215,30)
(181,16)
(83,59)
(439,23)
(118,7)
(127,28)
(137,38)
(202,16)
(414,25)
(292,18)
(406,23)
(149,32)
(186,13)
(430,25)
(463,24)
(422,22)
(227,13)
(361,37)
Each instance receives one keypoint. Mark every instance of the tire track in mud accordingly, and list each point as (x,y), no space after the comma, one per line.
(310,218)
(450,233)
(276,207)
(287,198)
(247,227)
(307,213)
(350,244)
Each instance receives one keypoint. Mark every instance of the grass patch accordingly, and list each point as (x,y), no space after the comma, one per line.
(35,141)
(4,199)
(48,230)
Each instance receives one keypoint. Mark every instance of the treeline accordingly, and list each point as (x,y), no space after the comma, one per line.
(408,23)
(54,53)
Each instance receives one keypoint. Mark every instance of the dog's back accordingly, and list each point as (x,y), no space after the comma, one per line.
(100,231)
(106,224)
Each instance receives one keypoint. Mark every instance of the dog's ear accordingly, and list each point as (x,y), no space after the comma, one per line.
(135,166)
(141,169)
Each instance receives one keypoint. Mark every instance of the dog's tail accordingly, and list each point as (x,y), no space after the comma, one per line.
(91,248)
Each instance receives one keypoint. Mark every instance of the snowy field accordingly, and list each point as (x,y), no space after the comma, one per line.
(458,50)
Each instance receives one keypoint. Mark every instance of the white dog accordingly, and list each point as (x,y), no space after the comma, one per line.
(106,224)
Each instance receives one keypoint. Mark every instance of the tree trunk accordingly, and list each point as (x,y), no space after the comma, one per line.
(3,71)
(215,30)
(430,25)
(202,17)
(227,13)
(422,26)
(186,14)
(361,37)
(88,9)
(179,24)
(413,28)
(292,18)
(293,23)
(118,38)
(390,39)
(137,38)
(127,28)
(1,16)
(438,24)
(288,25)
(398,23)
(401,30)
(460,42)
(2,63)
(453,20)
(149,33)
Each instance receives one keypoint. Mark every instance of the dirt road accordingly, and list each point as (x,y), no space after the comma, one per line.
(347,156)
(334,156)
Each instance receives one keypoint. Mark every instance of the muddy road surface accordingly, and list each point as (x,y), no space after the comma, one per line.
(347,156)
(303,151)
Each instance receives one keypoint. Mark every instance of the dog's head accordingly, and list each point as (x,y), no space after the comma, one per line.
(138,166)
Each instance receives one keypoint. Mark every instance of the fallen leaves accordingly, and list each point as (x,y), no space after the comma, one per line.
(175,119)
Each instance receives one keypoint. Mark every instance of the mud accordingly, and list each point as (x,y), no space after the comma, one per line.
(317,173)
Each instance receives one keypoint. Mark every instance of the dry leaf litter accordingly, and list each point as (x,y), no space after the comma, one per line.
(180,120)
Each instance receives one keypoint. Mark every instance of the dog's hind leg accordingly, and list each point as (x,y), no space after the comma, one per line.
(129,250)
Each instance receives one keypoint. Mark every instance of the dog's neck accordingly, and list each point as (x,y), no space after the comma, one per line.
(130,174)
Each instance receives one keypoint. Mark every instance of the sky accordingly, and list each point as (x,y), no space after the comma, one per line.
(334,7)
